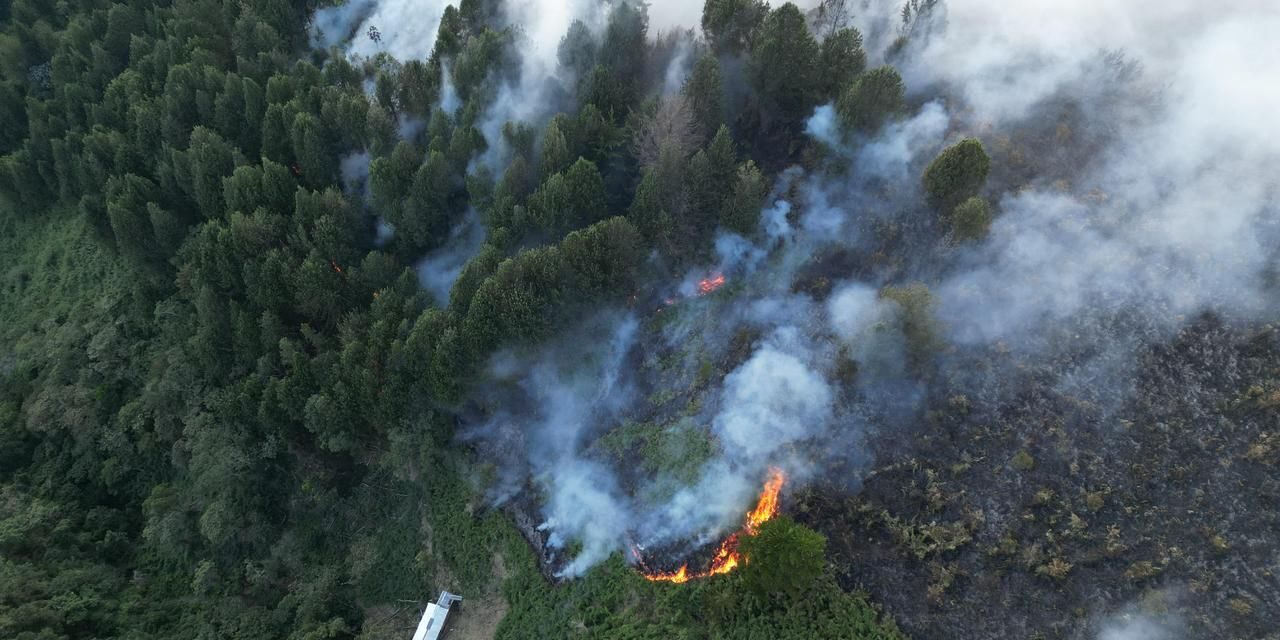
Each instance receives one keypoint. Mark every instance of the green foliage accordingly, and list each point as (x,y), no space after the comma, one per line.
(648,212)
(677,450)
(614,602)
(578,50)
(783,558)
(741,212)
(518,302)
(603,258)
(916,320)
(704,92)
(957,174)
(784,65)
(477,269)
(731,25)
(567,200)
(482,53)
(127,198)
(971,219)
(841,60)
(210,159)
(212,384)
(876,96)
(556,156)
(419,86)
(622,50)
(391,176)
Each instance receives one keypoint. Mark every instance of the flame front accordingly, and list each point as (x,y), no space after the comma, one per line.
(707,285)
(767,505)
(727,557)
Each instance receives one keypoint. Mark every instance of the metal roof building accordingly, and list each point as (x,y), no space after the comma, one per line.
(431,627)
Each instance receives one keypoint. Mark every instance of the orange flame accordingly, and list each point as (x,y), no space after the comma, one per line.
(727,556)
(707,285)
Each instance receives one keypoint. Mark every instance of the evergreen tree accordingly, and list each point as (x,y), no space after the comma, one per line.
(957,174)
(971,219)
(210,160)
(313,151)
(704,92)
(784,66)
(841,60)
(783,558)
(872,99)
(731,25)
(741,212)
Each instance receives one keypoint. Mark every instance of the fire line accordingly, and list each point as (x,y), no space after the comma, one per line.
(708,285)
(727,556)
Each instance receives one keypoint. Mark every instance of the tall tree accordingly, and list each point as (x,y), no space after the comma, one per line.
(872,99)
(842,60)
(704,92)
(731,25)
(784,66)
(741,212)
(210,159)
(957,174)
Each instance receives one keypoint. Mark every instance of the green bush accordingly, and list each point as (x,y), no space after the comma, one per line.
(783,558)
(957,174)
(876,95)
(971,219)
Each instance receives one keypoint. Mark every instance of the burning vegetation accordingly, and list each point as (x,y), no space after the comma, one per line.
(710,283)
(727,557)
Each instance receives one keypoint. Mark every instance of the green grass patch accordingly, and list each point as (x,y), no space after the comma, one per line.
(54,272)
(678,449)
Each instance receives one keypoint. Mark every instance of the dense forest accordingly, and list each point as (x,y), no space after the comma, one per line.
(294,335)
(223,394)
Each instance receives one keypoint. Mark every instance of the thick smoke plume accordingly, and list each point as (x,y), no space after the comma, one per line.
(407,28)
(1170,215)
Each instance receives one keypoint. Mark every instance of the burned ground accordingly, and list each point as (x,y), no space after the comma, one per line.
(1042,513)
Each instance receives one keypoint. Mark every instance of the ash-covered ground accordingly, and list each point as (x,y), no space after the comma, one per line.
(1046,514)
(1034,509)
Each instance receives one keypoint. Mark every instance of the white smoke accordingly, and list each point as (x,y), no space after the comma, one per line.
(772,401)
(439,269)
(572,389)
(1137,628)
(1138,622)
(449,100)
(1006,57)
(1175,214)
(668,15)
(1177,217)
(532,98)
(406,28)
(678,68)
(354,168)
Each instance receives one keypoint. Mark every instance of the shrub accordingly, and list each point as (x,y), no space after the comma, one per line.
(971,219)
(957,174)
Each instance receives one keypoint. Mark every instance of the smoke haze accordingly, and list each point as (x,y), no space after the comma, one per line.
(1169,212)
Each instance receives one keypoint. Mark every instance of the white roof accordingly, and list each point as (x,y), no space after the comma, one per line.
(432,623)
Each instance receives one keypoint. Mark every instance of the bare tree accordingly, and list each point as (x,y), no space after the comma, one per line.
(672,127)
(831,16)
(917,12)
